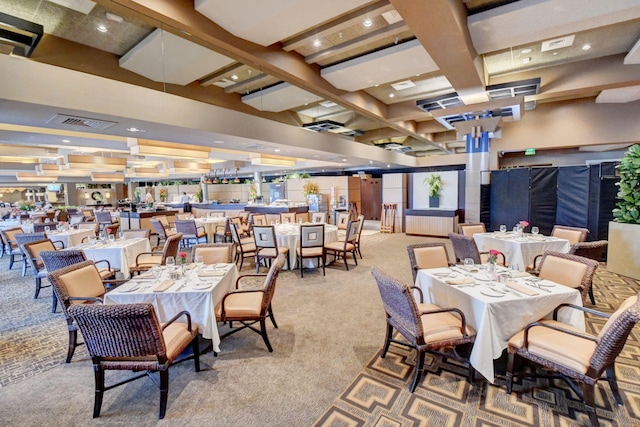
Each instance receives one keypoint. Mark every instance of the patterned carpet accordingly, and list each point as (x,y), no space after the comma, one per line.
(379,396)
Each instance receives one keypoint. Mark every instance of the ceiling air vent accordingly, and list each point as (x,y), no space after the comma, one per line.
(323,126)
(403,85)
(353,132)
(440,102)
(23,35)
(509,90)
(80,123)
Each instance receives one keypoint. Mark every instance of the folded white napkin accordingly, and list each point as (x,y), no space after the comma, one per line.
(211,273)
(460,281)
(522,289)
(163,286)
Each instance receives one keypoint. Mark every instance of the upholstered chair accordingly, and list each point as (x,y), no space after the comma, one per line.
(427,255)
(213,253)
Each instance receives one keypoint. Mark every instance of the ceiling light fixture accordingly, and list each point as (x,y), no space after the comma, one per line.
(234,77)
(316,43)
(135,129)
(107,177)
(265,160)
(178,166)
(586,46)
(33,177)
(367,23)
(391,95)
(101,28)
(525,51)
(166,149)
(94,163)
(526,60)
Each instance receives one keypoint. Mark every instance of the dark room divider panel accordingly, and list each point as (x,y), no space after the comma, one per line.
(543,198)
(602,199)
(509,197)
(573,196)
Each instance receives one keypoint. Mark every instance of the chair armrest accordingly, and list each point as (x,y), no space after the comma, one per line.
(525,343)
(104,260)
(176,317)
(248,275)
(535,262)
(201,227)
(94,299)
(415,288)
(146,253)
(60,242)
(463,319)
(579,307)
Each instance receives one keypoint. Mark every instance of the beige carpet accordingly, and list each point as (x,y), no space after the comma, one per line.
(330,330)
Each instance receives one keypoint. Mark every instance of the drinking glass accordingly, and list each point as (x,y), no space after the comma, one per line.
(47,228)
(111,238)
(156,271)
(535,230)
(171,262)
(468,263)
(120,235)
(503,228)
(199,260)
(513,270)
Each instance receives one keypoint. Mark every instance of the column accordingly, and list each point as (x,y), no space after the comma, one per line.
(477,162)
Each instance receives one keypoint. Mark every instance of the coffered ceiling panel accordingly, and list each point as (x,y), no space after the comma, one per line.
(278,98)
(164,57)
(268,21)
(386,65)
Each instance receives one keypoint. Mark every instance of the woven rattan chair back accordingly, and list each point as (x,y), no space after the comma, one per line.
(464,247)
(213,253)
(568,270)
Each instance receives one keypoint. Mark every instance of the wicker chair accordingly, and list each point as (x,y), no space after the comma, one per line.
(592,250)
(103,218)
(427,255)
(145,260)
(251,306)
(340,249)
(569,270)
(213,253)
(428,329)
(575,355)
(470,229)
(142,233)
(311,246)
(266,245)
(130,337)
(21,239)
(223,232)
(162,233)
(54,260)
(190,232)
(75,220)
(90,226)
(78,283)
(43,227)
(32,251)
(13,250)
(465,247)
(245,248)
(112,228)
(572,234)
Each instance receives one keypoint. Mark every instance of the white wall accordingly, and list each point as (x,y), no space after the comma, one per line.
(448,194)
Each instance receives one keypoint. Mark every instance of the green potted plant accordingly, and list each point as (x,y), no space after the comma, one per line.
(624,230)
(434,182)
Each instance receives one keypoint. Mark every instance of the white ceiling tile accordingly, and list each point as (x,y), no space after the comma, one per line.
(620,95)
(383,66)
(267,21)
(633,57)
(165,57)
(525,21)
(278,98)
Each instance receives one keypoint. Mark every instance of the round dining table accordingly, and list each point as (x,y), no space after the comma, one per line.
(288,236)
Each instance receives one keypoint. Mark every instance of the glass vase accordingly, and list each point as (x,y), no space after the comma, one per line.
(491,270)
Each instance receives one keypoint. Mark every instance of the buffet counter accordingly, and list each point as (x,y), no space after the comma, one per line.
(142,219)
(432,222)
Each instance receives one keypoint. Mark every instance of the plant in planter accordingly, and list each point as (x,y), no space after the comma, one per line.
(623,250)
(435,185)
(627,210)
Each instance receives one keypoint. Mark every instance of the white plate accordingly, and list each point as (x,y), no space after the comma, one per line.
(491,295)
(135,287)
(483,277)
(201,286)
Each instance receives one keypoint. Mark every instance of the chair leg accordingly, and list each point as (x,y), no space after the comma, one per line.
(54,303)
(324,262)
(195,348)
(97,403)
(263,332)
(355,259)
(510,361)
(24,266)
(11,260)
(591,297)
(419,369)
(164,392)
(344,257)
(589,402)
(273,319)
(38,284)
(613,383)
(301,266)
(73,342)
(387,341)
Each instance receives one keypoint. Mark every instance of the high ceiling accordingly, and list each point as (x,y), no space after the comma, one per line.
(354,68)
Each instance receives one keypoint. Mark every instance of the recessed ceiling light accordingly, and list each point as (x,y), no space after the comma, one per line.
(391,95)
(277,150)
(344,160)
(526,60)
(234,77)
(218,142)
(586,46)
(316,155)
(367,23)
(370,162)
(316,43)
(525,51)
(134,129)
(388,166)
(101,28)
(66,141)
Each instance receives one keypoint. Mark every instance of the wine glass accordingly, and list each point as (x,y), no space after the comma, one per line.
(156,271)
(468,263)
(199,260)
(535,230)
(171,262)
(503,228)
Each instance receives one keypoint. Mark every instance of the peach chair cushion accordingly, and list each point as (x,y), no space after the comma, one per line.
(573,236)
(83,282)
(440,326)
(241,305)
(470,230)
(558,347)
(148,260)
(563,271)
(175,337)
(626,304)
(213,255)
(431,257)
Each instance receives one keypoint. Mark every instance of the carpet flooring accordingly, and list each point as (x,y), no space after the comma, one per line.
(325,368)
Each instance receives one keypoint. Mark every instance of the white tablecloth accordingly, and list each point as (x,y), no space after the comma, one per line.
(520,251)
(288,236)
(120,253)
(71,237)
(210,224)
(497,319)
(200,303)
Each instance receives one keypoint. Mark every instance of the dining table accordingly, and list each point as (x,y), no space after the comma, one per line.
(520,250)
(198,291)
(71,237)
(497,306)
(210,225)
(288,236)
(121,253)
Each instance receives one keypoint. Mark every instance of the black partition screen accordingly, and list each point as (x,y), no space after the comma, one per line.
(543,198)
(509,197)
(573,196)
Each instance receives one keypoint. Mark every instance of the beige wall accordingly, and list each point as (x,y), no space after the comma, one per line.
(394,190)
